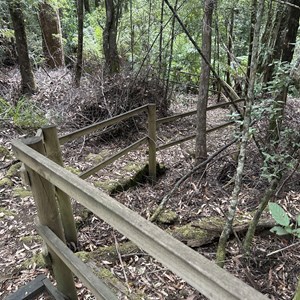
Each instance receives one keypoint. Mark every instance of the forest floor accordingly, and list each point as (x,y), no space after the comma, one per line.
(274,266)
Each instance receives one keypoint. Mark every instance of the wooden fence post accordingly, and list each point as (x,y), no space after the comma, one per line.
(152,140)
(48,213)
(64,202)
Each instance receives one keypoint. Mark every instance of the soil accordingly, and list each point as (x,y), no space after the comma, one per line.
(273,267)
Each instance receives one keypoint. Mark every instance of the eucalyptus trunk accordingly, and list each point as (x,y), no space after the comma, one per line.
(79,62)
(112,60)
(221,252)
(51,35)
(27,78)
(285,52)
(201,149)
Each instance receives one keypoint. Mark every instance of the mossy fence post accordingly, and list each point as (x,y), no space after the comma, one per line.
(48,214)
(152,141)
(53,152)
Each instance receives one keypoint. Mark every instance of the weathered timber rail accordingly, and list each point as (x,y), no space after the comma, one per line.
(45,175)
(151,138)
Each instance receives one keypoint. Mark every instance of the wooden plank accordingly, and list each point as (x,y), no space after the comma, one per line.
(152,141)
(205,276)
(99,289)
(97,126)
(192,136)
(53,151)
(53,291)
(174,143)
(48,213)
(30,290)
(193,112)
(112,158)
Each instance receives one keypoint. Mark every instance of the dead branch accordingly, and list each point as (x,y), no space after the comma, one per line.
(166,198)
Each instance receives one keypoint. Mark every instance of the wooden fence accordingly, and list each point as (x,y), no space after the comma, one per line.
(153,123)
(44,175)
(50,182)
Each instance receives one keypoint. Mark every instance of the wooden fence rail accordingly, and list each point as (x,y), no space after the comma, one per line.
(195,269)
(153,122)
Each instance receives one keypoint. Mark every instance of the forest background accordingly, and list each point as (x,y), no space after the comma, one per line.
(239,50)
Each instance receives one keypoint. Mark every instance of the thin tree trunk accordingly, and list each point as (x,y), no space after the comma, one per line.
(221,252)
(110,39)
(250,46)
(160,57)
(87,6)
(286,51)
(51,35)
(131,37)
(230,45)
(78,68)
(166,102)
(27,78)
(269,193)
(201,149)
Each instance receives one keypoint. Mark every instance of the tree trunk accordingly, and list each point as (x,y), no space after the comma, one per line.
(28,82)
(230,45)
(253,20)
(286,51)
(78,69)
(201,150)
(110,39)
(166,101)
(220,256)
(87,6)
(51,34)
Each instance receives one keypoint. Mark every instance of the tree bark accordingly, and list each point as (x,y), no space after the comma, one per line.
(78,69)
(112,60)
(285,52)
(220,256)
(87,6)
(230,45)
(51,35)
(201,149)
(27,82)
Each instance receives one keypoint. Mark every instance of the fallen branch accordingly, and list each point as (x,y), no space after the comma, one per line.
(166,198)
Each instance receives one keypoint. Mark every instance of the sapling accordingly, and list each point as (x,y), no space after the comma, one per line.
(285,224)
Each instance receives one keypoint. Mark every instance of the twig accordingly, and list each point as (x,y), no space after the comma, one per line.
(286,179)
(182,179)
(282,249)
(121,262)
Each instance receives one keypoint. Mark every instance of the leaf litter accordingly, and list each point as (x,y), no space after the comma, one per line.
(275,275)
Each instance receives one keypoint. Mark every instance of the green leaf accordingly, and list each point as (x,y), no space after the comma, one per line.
(298,220)
(279,230)
(297,232)
(279,214)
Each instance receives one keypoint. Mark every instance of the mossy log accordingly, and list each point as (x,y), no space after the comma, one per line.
(194,234)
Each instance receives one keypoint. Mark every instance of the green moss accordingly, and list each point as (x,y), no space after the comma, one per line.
(5,181)
(107,185)
(83,255)
(30,239)
(167,217)
(132,167)
(5,212)
(141,176)
(97,158)
(4,151)
(21,192)
(110,253)
(36,260)
(13,170)
(73,170)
